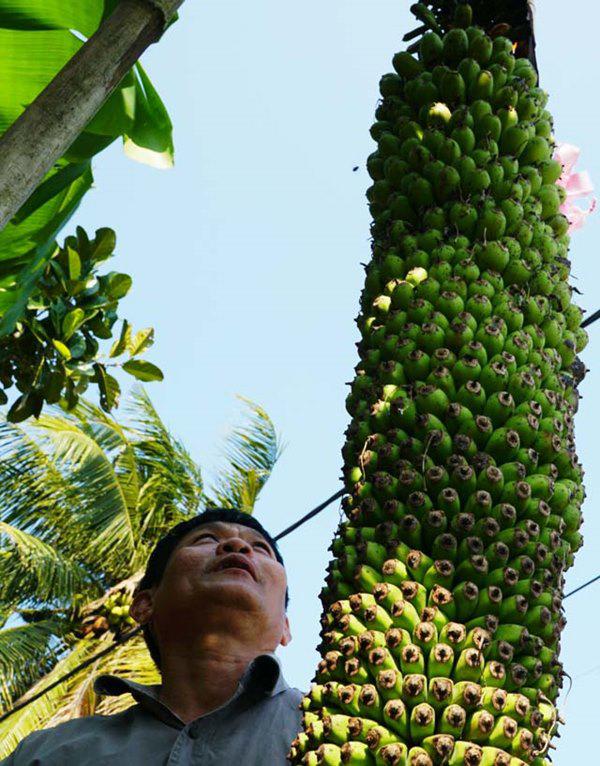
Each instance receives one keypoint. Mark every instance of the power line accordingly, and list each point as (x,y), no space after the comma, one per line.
(127,636)
(310,514)
(90,661)
(131,634)
(591,319)
(581,587)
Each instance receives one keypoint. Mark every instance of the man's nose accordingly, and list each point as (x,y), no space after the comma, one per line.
(234,545)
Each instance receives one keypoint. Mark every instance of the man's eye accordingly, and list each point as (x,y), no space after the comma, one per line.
(205,536)
(264,546)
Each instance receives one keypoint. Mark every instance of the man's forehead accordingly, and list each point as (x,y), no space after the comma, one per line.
(225,528)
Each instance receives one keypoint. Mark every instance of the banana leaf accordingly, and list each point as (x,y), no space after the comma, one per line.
(37,38)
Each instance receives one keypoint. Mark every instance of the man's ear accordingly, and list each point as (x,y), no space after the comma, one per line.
(287,633)
(142,607)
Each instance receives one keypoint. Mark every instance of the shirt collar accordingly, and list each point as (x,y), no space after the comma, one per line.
(262,678)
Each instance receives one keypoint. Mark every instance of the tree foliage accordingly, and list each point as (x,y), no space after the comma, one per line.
(37,38)
(85,499)
(250,452)
(54,352)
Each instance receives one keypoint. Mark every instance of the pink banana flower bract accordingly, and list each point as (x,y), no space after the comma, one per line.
(576,185)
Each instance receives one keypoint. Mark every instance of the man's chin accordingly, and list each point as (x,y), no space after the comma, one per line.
(237,589)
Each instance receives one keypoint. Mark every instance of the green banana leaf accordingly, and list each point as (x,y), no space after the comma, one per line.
(37,38)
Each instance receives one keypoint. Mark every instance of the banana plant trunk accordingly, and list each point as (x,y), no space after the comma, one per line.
(443,603)
(48,127)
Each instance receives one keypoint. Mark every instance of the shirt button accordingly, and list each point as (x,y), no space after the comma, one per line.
(194,732)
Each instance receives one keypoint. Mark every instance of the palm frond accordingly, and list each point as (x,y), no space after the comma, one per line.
(80,702)
(25,651)
(117,441)
(33,572)
(170,480)
(102,511)
(251,452)
(35,495)
(84,500)
(107,432)
(36,715)
(50,491)
(130,660)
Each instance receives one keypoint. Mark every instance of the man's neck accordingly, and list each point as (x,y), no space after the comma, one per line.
(200,677)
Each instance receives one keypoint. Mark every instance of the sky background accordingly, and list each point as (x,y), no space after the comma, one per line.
(246,258)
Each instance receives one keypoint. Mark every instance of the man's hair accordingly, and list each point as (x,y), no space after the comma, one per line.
(159,558)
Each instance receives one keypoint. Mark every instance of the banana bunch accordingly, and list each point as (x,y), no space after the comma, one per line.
(443,604)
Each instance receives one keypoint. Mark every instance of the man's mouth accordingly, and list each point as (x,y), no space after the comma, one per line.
(235,561)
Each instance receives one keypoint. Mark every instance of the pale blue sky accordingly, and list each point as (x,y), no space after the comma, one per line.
(246,257)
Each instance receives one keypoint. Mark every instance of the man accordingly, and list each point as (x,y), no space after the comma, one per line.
(213,605)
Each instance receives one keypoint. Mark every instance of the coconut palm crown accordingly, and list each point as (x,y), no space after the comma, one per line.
(84,500)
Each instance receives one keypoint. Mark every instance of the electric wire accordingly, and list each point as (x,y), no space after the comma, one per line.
(591,319)
(581,587)
(310,514)
(119,641)
(90,661)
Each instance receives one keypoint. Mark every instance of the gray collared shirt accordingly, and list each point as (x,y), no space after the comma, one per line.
(254,728)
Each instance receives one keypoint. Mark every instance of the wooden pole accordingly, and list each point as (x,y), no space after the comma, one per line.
(48,127)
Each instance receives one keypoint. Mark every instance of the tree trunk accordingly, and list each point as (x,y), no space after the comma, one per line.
(42,134)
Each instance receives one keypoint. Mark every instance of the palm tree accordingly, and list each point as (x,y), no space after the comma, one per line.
(84,500)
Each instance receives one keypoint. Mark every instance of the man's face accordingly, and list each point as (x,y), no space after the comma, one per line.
(221,566)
